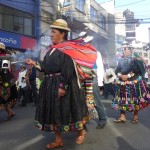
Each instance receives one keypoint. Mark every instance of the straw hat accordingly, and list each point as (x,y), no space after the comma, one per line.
(60,24)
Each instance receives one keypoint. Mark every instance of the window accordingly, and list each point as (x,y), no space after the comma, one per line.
(130,27)
(93,14)
(66,3)
(145,55)
(102,22)
(146,61)
(79,4)
(130,34)
(16,21)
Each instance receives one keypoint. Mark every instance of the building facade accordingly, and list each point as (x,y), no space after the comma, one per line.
(19,24)
(131,23)
(93,18)
(83,15)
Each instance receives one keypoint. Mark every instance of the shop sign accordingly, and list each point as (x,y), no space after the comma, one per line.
(45,40)
(10,39)
(17,41)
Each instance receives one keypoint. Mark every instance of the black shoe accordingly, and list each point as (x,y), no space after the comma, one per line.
(101,124)
(22,105)
(34,105)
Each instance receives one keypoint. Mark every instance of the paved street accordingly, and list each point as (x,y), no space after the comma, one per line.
(20,133)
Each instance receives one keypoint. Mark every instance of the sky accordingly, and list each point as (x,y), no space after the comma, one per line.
(141,9)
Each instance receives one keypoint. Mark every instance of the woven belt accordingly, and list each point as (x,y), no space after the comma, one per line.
(53,74)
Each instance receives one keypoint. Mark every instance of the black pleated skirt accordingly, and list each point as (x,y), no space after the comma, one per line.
(66,113)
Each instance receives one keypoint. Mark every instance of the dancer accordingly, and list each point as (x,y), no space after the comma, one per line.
(130,93)
(8,90)
(61,105)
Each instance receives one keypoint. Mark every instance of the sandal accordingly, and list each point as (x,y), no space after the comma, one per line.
(12,115)
(84,132)
(119,120)
(134,121)
(54,145)
(80,139)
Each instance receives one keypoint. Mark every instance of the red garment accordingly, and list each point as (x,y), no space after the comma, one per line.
(82,53)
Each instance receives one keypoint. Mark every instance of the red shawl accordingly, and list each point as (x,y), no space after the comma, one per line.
(84,54)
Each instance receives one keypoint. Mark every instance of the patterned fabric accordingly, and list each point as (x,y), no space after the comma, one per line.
(8,90)
(88,88)
(82,53)
(130,95)
(60,128)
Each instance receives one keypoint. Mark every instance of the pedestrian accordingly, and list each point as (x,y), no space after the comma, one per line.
(8,90)
(23,86)
(32,84)
(109,78)
(130,93)
(97,83)
(146,76)
(61,105)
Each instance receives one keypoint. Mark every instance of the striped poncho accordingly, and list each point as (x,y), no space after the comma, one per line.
(83,54)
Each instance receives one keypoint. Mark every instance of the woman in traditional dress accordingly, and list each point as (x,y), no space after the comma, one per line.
(62,105)
(130,93)
(8,90)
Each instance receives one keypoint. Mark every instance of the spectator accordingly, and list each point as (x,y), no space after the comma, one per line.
(146,76)
(22,84)
(97,84)
(109,78)
(32,83)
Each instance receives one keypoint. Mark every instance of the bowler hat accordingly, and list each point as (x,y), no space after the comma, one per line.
(60,24)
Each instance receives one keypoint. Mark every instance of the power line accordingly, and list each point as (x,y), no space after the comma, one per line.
(130,3)
(54,4)
(108,21)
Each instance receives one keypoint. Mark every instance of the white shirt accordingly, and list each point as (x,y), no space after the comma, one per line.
(109,72)
(100,69)
(146,74)
(21,81)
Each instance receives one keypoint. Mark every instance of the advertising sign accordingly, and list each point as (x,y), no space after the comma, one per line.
(17,41)
(10,39)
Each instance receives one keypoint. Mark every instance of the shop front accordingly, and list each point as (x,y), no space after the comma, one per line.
(17,42)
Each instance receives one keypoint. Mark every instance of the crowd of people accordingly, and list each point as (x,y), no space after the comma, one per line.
(16,85)
(68,94)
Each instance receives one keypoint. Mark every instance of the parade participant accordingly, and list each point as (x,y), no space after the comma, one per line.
(8,90)
(61,105)
(130,93)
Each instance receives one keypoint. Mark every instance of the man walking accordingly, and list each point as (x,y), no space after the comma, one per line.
(98,82)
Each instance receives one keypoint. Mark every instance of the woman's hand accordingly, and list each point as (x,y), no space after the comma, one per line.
(30,62)
(61,92)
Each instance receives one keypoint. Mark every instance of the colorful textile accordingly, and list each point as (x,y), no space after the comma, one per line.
(88,88)
(82,53)
(130,95)
(66,128)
